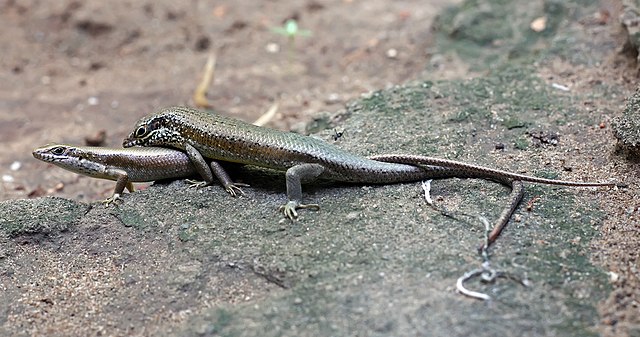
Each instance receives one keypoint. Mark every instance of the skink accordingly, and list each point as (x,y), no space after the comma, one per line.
(140,164)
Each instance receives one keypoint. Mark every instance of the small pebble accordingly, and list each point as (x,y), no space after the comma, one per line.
(16,165)
(539,24)
(272,48)
(333,98)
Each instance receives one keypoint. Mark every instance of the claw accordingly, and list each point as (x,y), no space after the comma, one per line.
(234,189)
(289,209)
(196,184)
(114,199)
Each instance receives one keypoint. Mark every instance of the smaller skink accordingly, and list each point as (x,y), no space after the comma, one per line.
(124,166)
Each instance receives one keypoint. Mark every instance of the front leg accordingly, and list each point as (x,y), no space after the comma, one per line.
(295,175)
(122,181)
(207,172)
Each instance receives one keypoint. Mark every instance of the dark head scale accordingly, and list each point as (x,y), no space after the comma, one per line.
(152,130)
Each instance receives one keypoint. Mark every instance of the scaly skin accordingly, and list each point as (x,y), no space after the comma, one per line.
(121,165)
(205,135)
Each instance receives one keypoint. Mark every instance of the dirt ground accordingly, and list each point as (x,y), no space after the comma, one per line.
(72,69)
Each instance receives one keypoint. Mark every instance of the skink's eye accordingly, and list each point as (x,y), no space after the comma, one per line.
(141,131)
(57,150)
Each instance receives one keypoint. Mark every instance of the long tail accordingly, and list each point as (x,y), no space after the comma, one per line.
(480,171)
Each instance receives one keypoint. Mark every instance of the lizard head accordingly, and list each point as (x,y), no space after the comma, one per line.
(72,158)
(54,153)
(155,130)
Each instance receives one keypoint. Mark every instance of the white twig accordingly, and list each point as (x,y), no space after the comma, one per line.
(426,186)
(474,294)
(267,116)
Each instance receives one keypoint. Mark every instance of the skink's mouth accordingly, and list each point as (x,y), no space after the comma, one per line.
(130,142)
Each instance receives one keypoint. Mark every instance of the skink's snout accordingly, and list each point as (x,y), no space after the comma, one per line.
(133,140)
(43,152)
(130,142)
(52,152)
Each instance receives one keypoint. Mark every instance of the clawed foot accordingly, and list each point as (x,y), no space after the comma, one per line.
(234,189)
(196,183)
(113,200)
(289,209)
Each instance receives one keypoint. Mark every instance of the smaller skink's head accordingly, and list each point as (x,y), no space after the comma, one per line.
(53,153)
(158,129)
(72,158)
